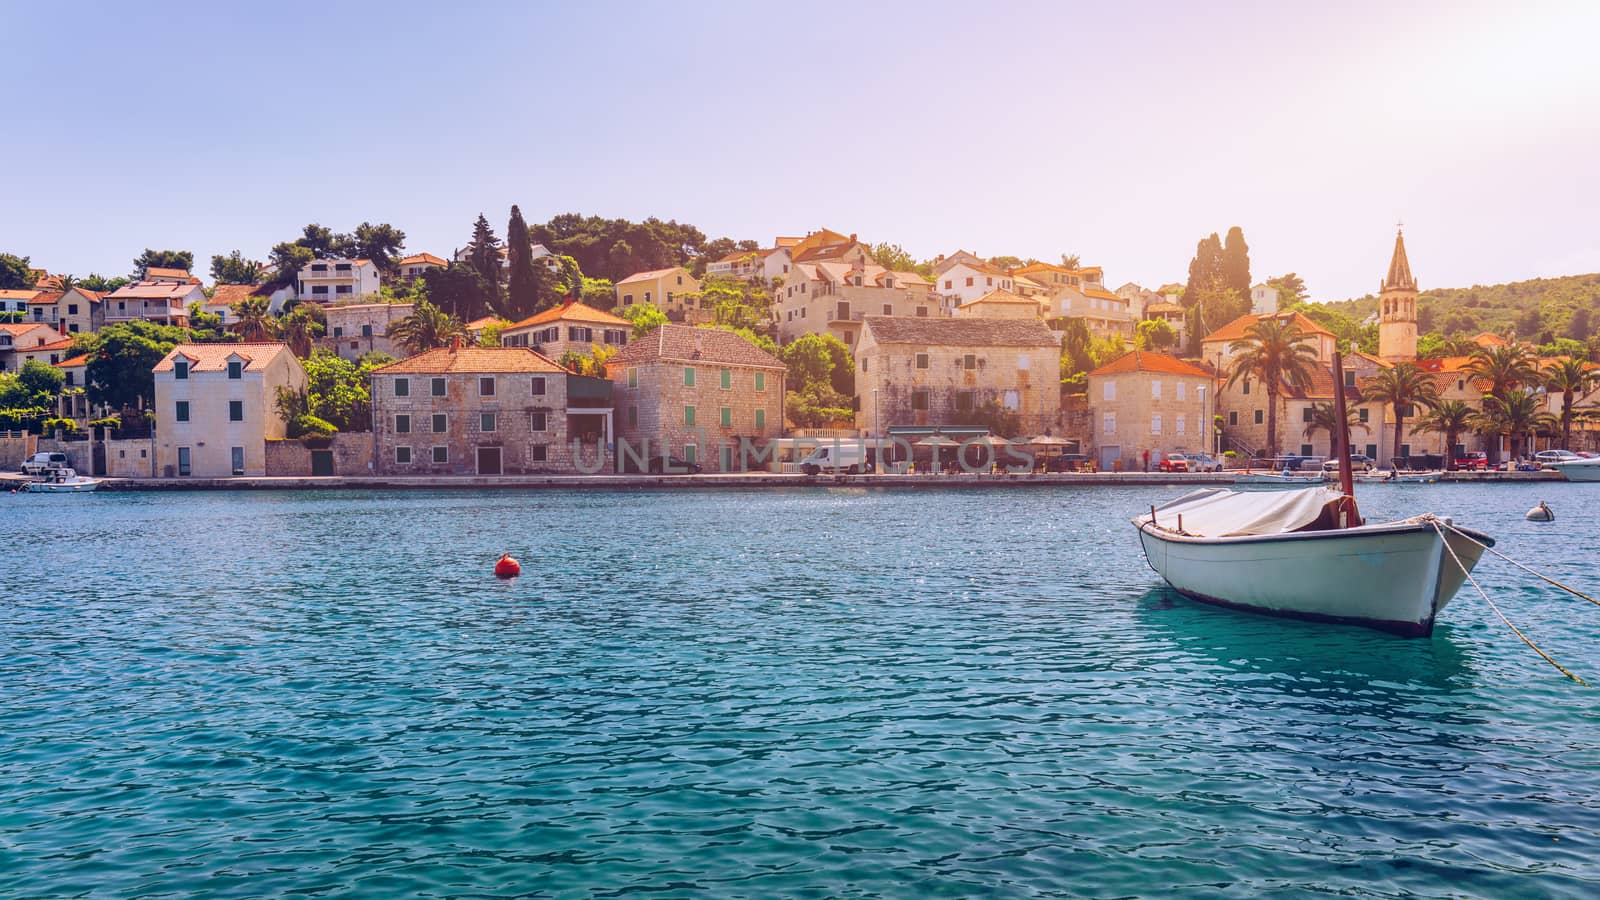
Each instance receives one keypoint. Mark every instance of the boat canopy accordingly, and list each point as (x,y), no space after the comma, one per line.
(1219,512)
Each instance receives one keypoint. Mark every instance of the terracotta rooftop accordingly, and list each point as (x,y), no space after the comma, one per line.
(153,290)
(999,295)
(467,360)
(62,344)
(160,272)
(16,328)
(229,294)
(1145,361)
(572,311)
(962,332)
(483,322)
(18,294)
(45,298)
(214,357)
(74,362)
(418,258)
(683,344)
(651,275)
(1235,330)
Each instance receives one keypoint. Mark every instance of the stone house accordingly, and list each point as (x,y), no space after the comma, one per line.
(19,337)
(942,371)
(673,291)
(571,327)
(1001,304)
(357,329)
(1143,402)
(833,298)
(217,406)
(410,268)
(75,311)
(488,411)
(696,394)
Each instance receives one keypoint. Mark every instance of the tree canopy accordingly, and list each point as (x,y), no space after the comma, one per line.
(235,269)
(15,273)
(162,259)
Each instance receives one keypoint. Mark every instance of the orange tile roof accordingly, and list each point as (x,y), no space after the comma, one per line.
(683,344)
(1102,294)
(741,254)
(154,290)
(1372,359)
(1235,330)
(62,344)
(18,328)
(45,298)
(1485,339)
(651,275)
(74,362)
(1145,361)
(23,294)
(484,322)
(470,360)
(160,272)
(572,311)
(415,258)
(214,357)
(229,294)
(999,295)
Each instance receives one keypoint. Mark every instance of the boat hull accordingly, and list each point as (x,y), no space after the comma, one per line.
(1586,470)
(68,488)
(1396,577)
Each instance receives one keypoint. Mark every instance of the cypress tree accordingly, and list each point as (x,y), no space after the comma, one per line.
(1236,262)
(1205,270)
(523,289)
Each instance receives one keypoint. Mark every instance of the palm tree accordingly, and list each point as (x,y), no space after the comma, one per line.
(301,328)
(1519,412)
(1324,417)
(1070,261)
(66,283)
(1402,386)
(427,327)
(1504,367)
(1450,418)
(254,319)
(1274,351)
(1572,377)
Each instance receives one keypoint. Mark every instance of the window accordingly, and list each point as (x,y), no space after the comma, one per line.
(1408,411)
(1405,451)
(1181,387)
(366,331)
(402,456)
(1349,379)
(947,284)
(1109,422)
(922,360)
(537,386)
(235,369)
(1233,418)
(727,379)
(888,309)
(627,299)
(964,400)
(1372,451)
(761,381)
(919,400)
(441,454)
(1246,389)
(690,451)
(1179,425)
(688,376)
(402,387)
(1361,414)
(633,415)
(1258,417)
(438,387)
(538,420)
(761,419)
(1011,400)
(440,423)
(1110,391)
(320,290)
(402,424)
(72,309)
(969,362)
(727,417)
(1307,414)
(1155,423)
(688,415)
(181,413)
(1023,362)
(486,386)
(1155,389)
(338,331)
(969,281)
(180,369)
(539,453)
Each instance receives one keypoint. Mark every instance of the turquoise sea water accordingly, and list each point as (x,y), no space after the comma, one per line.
(809,692)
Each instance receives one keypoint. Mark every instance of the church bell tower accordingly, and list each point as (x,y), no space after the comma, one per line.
(1397,308)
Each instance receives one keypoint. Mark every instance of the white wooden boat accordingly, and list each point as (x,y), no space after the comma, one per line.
(1283,478)
(63,481)
(1577,469)
(1285,554)
(1399,477)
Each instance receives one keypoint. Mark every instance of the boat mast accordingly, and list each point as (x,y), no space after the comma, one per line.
(1341,439)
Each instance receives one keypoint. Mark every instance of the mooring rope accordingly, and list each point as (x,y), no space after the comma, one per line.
(1539,575)
(1439,529)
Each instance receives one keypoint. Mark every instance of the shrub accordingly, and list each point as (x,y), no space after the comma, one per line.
(66,426)
(307,425)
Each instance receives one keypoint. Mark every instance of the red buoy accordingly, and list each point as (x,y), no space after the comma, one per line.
(507,567)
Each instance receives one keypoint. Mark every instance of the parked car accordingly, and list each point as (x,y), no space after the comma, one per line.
(41,463)
(1545,457)
(661,465)
(850,457)
(1291,462)
(1474,461)
(1204,462)
(1358,461)
(1174,462)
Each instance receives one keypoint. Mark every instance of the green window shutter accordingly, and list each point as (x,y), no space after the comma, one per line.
(688,415)
(761,381)
(761,419)
(727,417)
(688,376)
(633,378)
(727,379)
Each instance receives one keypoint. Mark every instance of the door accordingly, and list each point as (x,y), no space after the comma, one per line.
(183,460)
(236,457)
(488,460)
(321,462)
(1110,457)
(97,459)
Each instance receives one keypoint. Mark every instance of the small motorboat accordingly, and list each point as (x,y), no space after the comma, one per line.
(1393,477)
(63,481)
(1307,553)
(1577,469)
(1282,478)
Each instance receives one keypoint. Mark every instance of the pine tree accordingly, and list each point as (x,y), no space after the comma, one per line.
(1236,262)
(485,251)
(522,292)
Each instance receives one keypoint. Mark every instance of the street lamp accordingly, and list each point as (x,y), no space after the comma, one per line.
(877,453)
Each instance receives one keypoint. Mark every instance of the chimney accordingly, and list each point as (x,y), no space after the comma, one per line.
(455,343)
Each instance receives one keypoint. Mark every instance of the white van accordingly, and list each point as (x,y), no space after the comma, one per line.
(850,457)
(40,463)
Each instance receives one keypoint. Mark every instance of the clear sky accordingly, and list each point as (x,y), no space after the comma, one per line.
(1121,132)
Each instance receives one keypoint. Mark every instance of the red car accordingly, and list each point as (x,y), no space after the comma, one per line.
(1473,461)
(1175,462)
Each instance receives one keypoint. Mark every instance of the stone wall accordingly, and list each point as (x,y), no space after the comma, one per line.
(1029,377)
(13,450)
(652,401)
(132,458)
(352,454)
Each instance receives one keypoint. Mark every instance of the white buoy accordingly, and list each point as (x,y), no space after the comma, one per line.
(1541,513)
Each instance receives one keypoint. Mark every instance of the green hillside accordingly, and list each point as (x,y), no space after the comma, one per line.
(1540,310)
